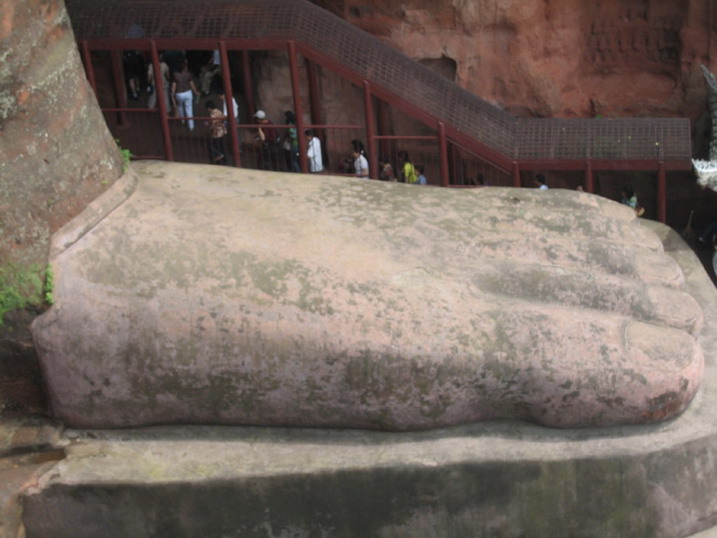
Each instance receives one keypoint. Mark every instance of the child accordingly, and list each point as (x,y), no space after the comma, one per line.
(421,178)
(360,164)
(408,172)
(386,173)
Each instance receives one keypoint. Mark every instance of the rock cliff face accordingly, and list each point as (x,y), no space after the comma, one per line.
(557,57)
(56,155)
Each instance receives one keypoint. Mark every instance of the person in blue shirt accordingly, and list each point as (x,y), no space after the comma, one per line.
(421,177)
(628,197)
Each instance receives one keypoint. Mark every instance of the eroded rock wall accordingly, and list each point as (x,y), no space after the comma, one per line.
(558,57)
(56,153)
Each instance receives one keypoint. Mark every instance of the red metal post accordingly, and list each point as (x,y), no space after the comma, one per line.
(661,193)
(298,108)
(89,69)
(443,149)
(314,92)
(229,100)
(383,128)
(453,163)
(589,178)
(118,81)
(315,103)
(246,71)
(516,175)
(373,165)
(159,89)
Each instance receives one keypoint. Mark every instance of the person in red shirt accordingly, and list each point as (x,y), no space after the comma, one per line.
(268,138)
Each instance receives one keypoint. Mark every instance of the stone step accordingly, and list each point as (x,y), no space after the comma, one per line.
(29,447)
(493,479)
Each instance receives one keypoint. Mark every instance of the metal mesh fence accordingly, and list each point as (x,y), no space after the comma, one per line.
(469,170)
(370,59)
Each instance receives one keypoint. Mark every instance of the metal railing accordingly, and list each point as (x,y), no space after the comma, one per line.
(431,97)
(472,139)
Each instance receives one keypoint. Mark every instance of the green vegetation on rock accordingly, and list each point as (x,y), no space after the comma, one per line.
(24,286)
(126,155)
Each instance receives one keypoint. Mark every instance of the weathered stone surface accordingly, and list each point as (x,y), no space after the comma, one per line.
(56,154)
(558,57)
(223,296)
(29,446)
(491,479)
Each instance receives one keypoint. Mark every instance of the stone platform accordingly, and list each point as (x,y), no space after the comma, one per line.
(498,478)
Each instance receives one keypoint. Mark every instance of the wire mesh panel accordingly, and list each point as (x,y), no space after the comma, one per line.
(468,170)
(604,138)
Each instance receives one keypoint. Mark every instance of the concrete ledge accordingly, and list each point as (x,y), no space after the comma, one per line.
(492,479)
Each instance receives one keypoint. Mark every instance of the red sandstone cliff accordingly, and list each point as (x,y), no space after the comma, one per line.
(557,57)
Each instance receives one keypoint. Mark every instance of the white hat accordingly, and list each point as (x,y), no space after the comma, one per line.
(260,115)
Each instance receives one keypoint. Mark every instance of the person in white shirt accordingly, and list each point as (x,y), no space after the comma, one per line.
(164,75)
(210,70)
(235,106)
(316,161)
(360,164)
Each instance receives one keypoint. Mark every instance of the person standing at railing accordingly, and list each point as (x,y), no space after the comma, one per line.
(629,198)
(408,172)
(360,164)
(210,70)
(357,145)
(421,178)
(268,138)
(386,173)
(217,132)
(291,143)
(235,106)
(183,92)
(540,182)
(164,75)
(316,161)
(235,109)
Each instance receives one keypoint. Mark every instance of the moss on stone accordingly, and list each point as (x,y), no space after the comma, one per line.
(24,286)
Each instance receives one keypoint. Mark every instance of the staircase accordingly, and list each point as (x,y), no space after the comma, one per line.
(506,142)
